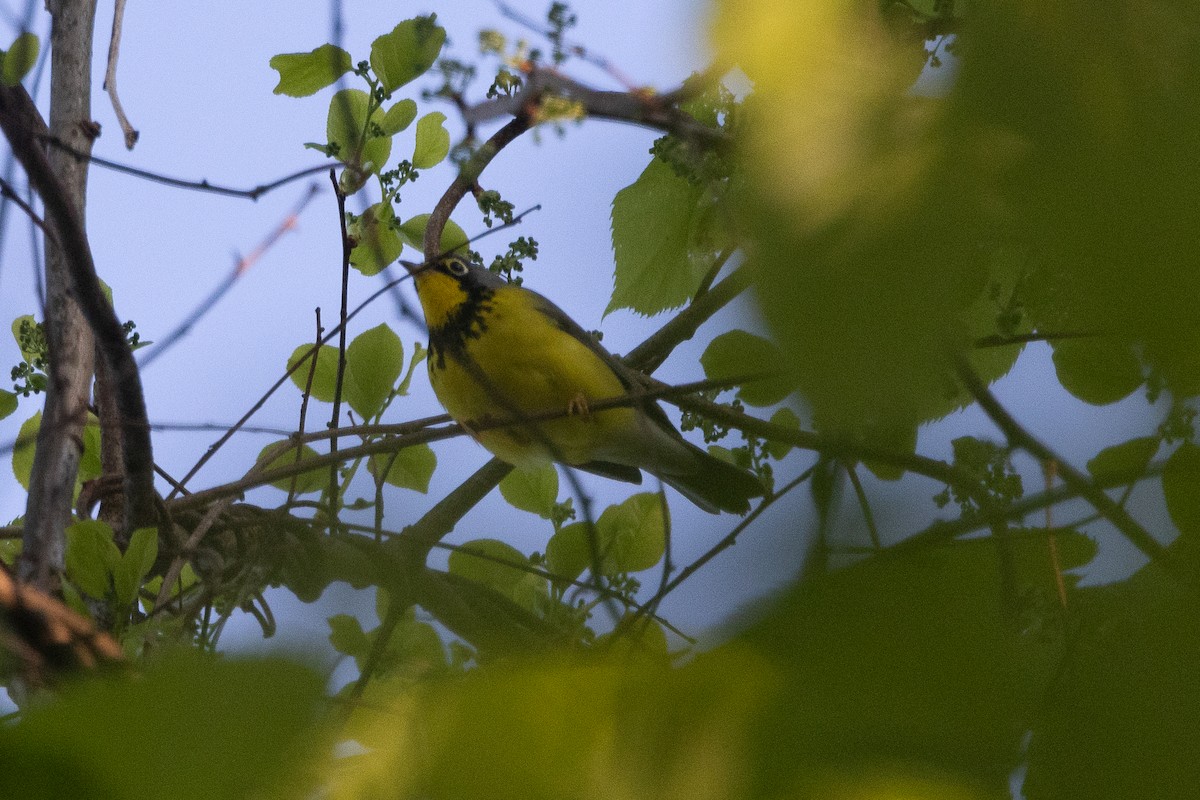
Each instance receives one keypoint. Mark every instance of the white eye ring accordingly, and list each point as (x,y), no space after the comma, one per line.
(456,268)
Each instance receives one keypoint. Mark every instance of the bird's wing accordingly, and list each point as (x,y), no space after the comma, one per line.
(627,375)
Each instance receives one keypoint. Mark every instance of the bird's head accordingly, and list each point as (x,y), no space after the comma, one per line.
(445,286)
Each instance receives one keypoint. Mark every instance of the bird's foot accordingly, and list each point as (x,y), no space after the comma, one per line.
(579,407)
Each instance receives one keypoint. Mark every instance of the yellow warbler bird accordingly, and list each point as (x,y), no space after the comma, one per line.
(500,353)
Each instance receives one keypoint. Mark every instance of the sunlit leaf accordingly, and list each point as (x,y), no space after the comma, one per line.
(311,481)
(19,59)
(410,468)
(324,376)
(407,52)
(302,74)
(26,444)
(532,489)
(567,552)
(413,234)
(433,141)
(135,564)
(651,224)
(92,558)
(374,360)
(376,242)
(347,129)
(632,534)
(399,117)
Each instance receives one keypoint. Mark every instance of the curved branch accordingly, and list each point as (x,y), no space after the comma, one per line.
(467,178)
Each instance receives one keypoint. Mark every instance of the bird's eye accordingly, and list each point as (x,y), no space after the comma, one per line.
(456,268)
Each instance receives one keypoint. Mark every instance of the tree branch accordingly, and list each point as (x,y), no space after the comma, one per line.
(1079,483)
(639,108)
(60,437)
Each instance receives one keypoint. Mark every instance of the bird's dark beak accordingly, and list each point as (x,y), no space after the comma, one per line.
(412,268)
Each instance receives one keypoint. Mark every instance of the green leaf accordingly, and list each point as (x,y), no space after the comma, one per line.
(1181,487)
(413,234)
(355,139)
(9,550)
(23,320)
(92,559)
(374,360)
(411,468)
(567,552)
(784,418)
(19,59)
(491,571)
(377,243)
(302,74)
(1098,371)
(347,636)
(407,52)
(632,534)
(89,460)
(206,729)
(8,403)
(22,454)
(738,354)
(1125,461)
(187,579)
(135,564)
(899,440)
(532,489)
(433,141)
(651,225)
(419,355)
(634,636)
(306,482)
(324,378)
(399,117)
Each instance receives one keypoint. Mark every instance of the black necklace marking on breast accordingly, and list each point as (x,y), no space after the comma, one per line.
(467,321)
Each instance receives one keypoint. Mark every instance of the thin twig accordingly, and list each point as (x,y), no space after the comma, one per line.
(335,419)
(240,268)
(865,504)
(727,541)
(311,353)
(8,192)
(574,48)
(202,185)
(110,75)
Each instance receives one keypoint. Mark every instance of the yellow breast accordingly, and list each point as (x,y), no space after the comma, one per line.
(529,365)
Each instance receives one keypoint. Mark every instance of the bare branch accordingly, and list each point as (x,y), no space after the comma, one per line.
(110,75)
(202,185)
(60,443)
(639,108)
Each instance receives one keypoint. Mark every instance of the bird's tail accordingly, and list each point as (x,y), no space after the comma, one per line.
(714,485)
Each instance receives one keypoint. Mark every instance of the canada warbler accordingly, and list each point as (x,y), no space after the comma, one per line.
(499,354)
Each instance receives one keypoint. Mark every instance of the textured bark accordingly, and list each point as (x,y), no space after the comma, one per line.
(60,440)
